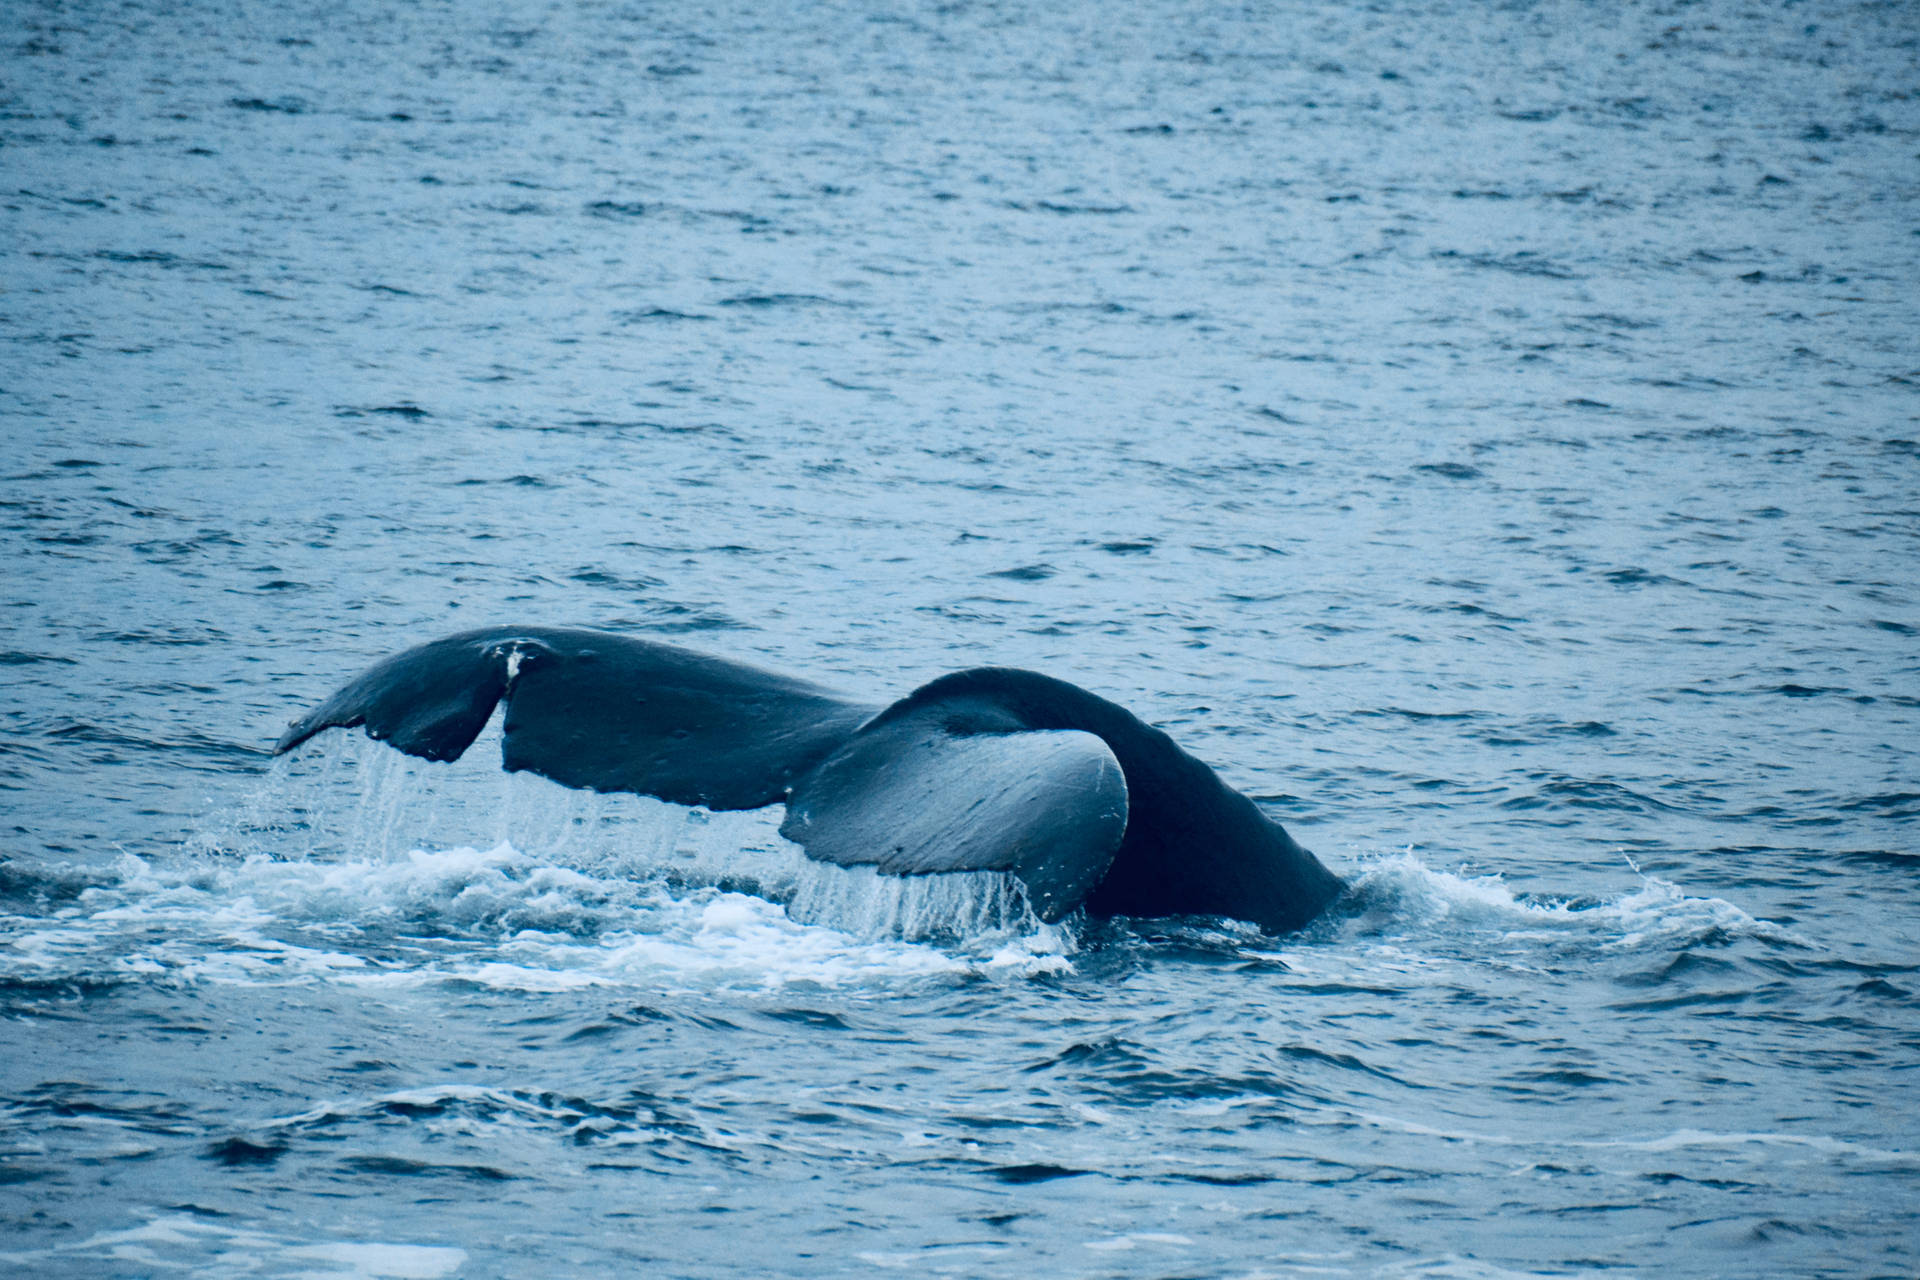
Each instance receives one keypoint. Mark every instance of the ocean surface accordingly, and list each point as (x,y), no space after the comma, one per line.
(1489,434)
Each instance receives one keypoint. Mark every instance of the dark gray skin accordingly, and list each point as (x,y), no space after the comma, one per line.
(991,769)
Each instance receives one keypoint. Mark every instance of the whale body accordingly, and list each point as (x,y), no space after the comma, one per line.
(989,769)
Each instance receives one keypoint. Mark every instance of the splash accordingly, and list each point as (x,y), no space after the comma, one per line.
(346,798)
(499,919)
(322,875)
(1399,894)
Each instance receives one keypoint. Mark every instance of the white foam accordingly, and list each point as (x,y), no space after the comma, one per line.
(382,1261)
(1677,1140)
(1134,1239)
(1687,1139)
(1454,1267)
(941,1259)
(424,1097)
(502,919)
(180,1243)
(1399,892)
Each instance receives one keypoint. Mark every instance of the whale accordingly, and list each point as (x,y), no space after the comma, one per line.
(996,769)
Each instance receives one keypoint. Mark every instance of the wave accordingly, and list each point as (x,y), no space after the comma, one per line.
(1817,1145)
(1398,893)
(177,1241)
(527,886)
(506,919)
(497,918)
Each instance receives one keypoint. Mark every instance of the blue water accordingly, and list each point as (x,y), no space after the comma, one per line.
(1490,435)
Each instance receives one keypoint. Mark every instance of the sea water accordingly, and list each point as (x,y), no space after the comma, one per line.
(1485,433)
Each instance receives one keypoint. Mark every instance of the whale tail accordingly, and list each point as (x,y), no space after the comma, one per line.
(983,770)
(614,713)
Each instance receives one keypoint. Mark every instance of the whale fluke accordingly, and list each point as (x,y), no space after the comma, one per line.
(600,712)
(991,769)
(912,796)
